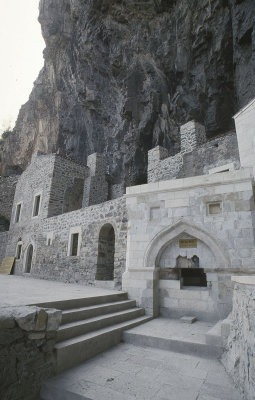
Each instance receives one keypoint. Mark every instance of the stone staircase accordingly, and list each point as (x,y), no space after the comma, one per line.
(92,325)
(202,338)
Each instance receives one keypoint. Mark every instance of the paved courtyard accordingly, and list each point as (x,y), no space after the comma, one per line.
(128,372)
(19,290)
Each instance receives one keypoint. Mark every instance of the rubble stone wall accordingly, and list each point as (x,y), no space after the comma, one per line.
(7,192)
(27,339)
(239,358)
(3,243)
(36,179)
(217,152)
(52,261)
(195,158)
(64,175)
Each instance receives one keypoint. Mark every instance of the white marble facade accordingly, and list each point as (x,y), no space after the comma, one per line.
(215,209)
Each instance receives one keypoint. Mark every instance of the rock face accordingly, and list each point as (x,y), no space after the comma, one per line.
(120,77)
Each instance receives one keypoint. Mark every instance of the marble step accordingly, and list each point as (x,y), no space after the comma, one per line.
(84,302)
(194,345)
(77,314)
(213,336)
(76,350)
(77,328)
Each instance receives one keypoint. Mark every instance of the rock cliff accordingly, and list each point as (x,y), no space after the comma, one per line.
(121,76)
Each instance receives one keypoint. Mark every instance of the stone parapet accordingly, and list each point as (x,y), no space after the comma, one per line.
(196,157)
(192,136)
(96,187)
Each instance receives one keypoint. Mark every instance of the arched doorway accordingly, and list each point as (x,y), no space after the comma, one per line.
(29,259)
(105,257)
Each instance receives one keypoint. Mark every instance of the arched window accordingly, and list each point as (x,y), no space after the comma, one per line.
(105,257)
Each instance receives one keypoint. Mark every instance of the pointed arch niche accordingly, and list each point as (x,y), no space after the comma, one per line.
(166,238)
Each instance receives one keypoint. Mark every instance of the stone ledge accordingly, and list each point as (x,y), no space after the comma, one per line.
(241,176)
(244,280)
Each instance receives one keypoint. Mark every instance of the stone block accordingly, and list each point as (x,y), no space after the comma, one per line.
(54,319)
(188,319)
(212,276)
(26,318)
(6,319)
(41,320)
(36,335)
(169,284)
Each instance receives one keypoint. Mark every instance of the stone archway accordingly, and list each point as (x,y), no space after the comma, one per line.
(106,251)
(164,237)
(29,259)
(169,291)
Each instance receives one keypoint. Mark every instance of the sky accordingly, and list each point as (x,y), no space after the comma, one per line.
(21,58)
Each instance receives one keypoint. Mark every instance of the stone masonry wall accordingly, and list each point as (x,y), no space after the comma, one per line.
(27,339)
(53,262)
(164,169)
(34,180)
(195,158)
(239,358)
(217,152)
(7,192)
(192,136)
(96,185)
(64,175)
(3,243)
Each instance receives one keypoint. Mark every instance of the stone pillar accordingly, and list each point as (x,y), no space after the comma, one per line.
(96,185)
(155,155)
(245,131)
(192,136)
(142,286)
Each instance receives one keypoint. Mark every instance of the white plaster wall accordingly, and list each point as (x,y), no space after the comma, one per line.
(245,130)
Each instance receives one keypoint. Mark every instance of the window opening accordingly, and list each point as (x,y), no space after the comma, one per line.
(19,248)
(36,205)
(18,210)
(74,244)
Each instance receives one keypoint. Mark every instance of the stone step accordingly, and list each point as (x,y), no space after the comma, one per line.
(78,328)
(84,302)
(77,314)
(189,345)
(51,392)
(213,336)
(74,351)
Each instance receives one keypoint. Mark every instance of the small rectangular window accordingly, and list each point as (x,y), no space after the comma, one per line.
(74,244)
(18,210)
(214,208)
(36,205)
(19,248)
